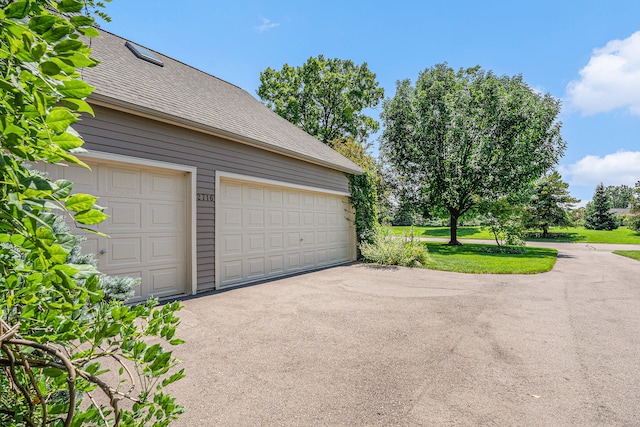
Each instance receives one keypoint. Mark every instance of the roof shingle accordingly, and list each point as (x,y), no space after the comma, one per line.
(188,96)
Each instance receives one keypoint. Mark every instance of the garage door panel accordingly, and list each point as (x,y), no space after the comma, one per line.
(232,192)
(313,231)
(253,195)
(124,216)
(307,201)
(166,216)
(307,239)
(253,218)
(255,267)
(123,182)
(231,270)
(293,240)
(322,257)
(308,258)
(255,243)
(321,202)
(275,242)
(232,244)
(166,187)
(275,218)
(320,219)
(164,248)
(162,281)
(274,197)
(293,199)
(293,261)
(308,219)
(232,217)
(275,264)
(293,219)
(122,251)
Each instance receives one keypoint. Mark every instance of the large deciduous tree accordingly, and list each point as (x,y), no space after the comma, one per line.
(59,334)
(469,135)
(620,196)
(549,203)
(324,97)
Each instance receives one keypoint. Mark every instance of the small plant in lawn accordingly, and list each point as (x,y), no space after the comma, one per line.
(387,249)
(503,219)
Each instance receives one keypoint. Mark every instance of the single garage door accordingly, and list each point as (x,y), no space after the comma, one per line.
(266,230)
(147,227)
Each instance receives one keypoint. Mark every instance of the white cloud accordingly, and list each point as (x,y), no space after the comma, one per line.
(610,80)
(266,24)
(618,168)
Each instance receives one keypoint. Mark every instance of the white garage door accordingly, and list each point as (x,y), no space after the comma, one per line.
(267,230)
(147,227)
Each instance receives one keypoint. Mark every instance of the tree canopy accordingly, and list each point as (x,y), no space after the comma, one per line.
(324,97)
(620,196)
(468,135)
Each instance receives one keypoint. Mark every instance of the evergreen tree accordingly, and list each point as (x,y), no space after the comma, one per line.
(597,215)
(549,204)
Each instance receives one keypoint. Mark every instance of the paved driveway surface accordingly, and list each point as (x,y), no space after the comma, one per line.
(360,345)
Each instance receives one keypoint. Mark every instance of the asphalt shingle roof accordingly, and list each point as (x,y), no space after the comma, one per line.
(191,97)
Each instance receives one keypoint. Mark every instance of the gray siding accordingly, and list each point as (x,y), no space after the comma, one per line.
(121,133)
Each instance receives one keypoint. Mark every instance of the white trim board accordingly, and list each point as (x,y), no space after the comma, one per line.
(247,178)
(192,171)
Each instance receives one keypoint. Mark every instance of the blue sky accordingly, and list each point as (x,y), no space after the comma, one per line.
(586,53)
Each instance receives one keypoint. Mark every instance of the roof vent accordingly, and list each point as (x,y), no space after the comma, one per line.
(144,54)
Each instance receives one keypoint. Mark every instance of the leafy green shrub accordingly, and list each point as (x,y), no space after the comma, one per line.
(634,223)
(504,220)
(388,249)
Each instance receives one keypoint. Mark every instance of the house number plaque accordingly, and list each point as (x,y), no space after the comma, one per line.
(202,197)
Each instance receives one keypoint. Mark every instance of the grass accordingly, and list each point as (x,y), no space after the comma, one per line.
(622,235)
(629,254)
(473,258)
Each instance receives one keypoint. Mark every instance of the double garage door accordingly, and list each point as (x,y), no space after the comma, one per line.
(147,227)
(265,230)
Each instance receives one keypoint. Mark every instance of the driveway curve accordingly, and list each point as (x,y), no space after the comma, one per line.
(366,345)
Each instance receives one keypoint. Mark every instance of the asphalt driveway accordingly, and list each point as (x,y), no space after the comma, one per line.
(360,345)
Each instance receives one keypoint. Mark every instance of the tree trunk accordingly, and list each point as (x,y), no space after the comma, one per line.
(453,227)
(545,232)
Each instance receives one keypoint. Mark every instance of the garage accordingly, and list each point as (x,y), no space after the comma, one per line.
(207,187)
(267,229)
(148,233)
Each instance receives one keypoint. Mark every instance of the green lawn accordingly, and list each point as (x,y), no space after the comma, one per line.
(629,254)
(622,235)
(471,258)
